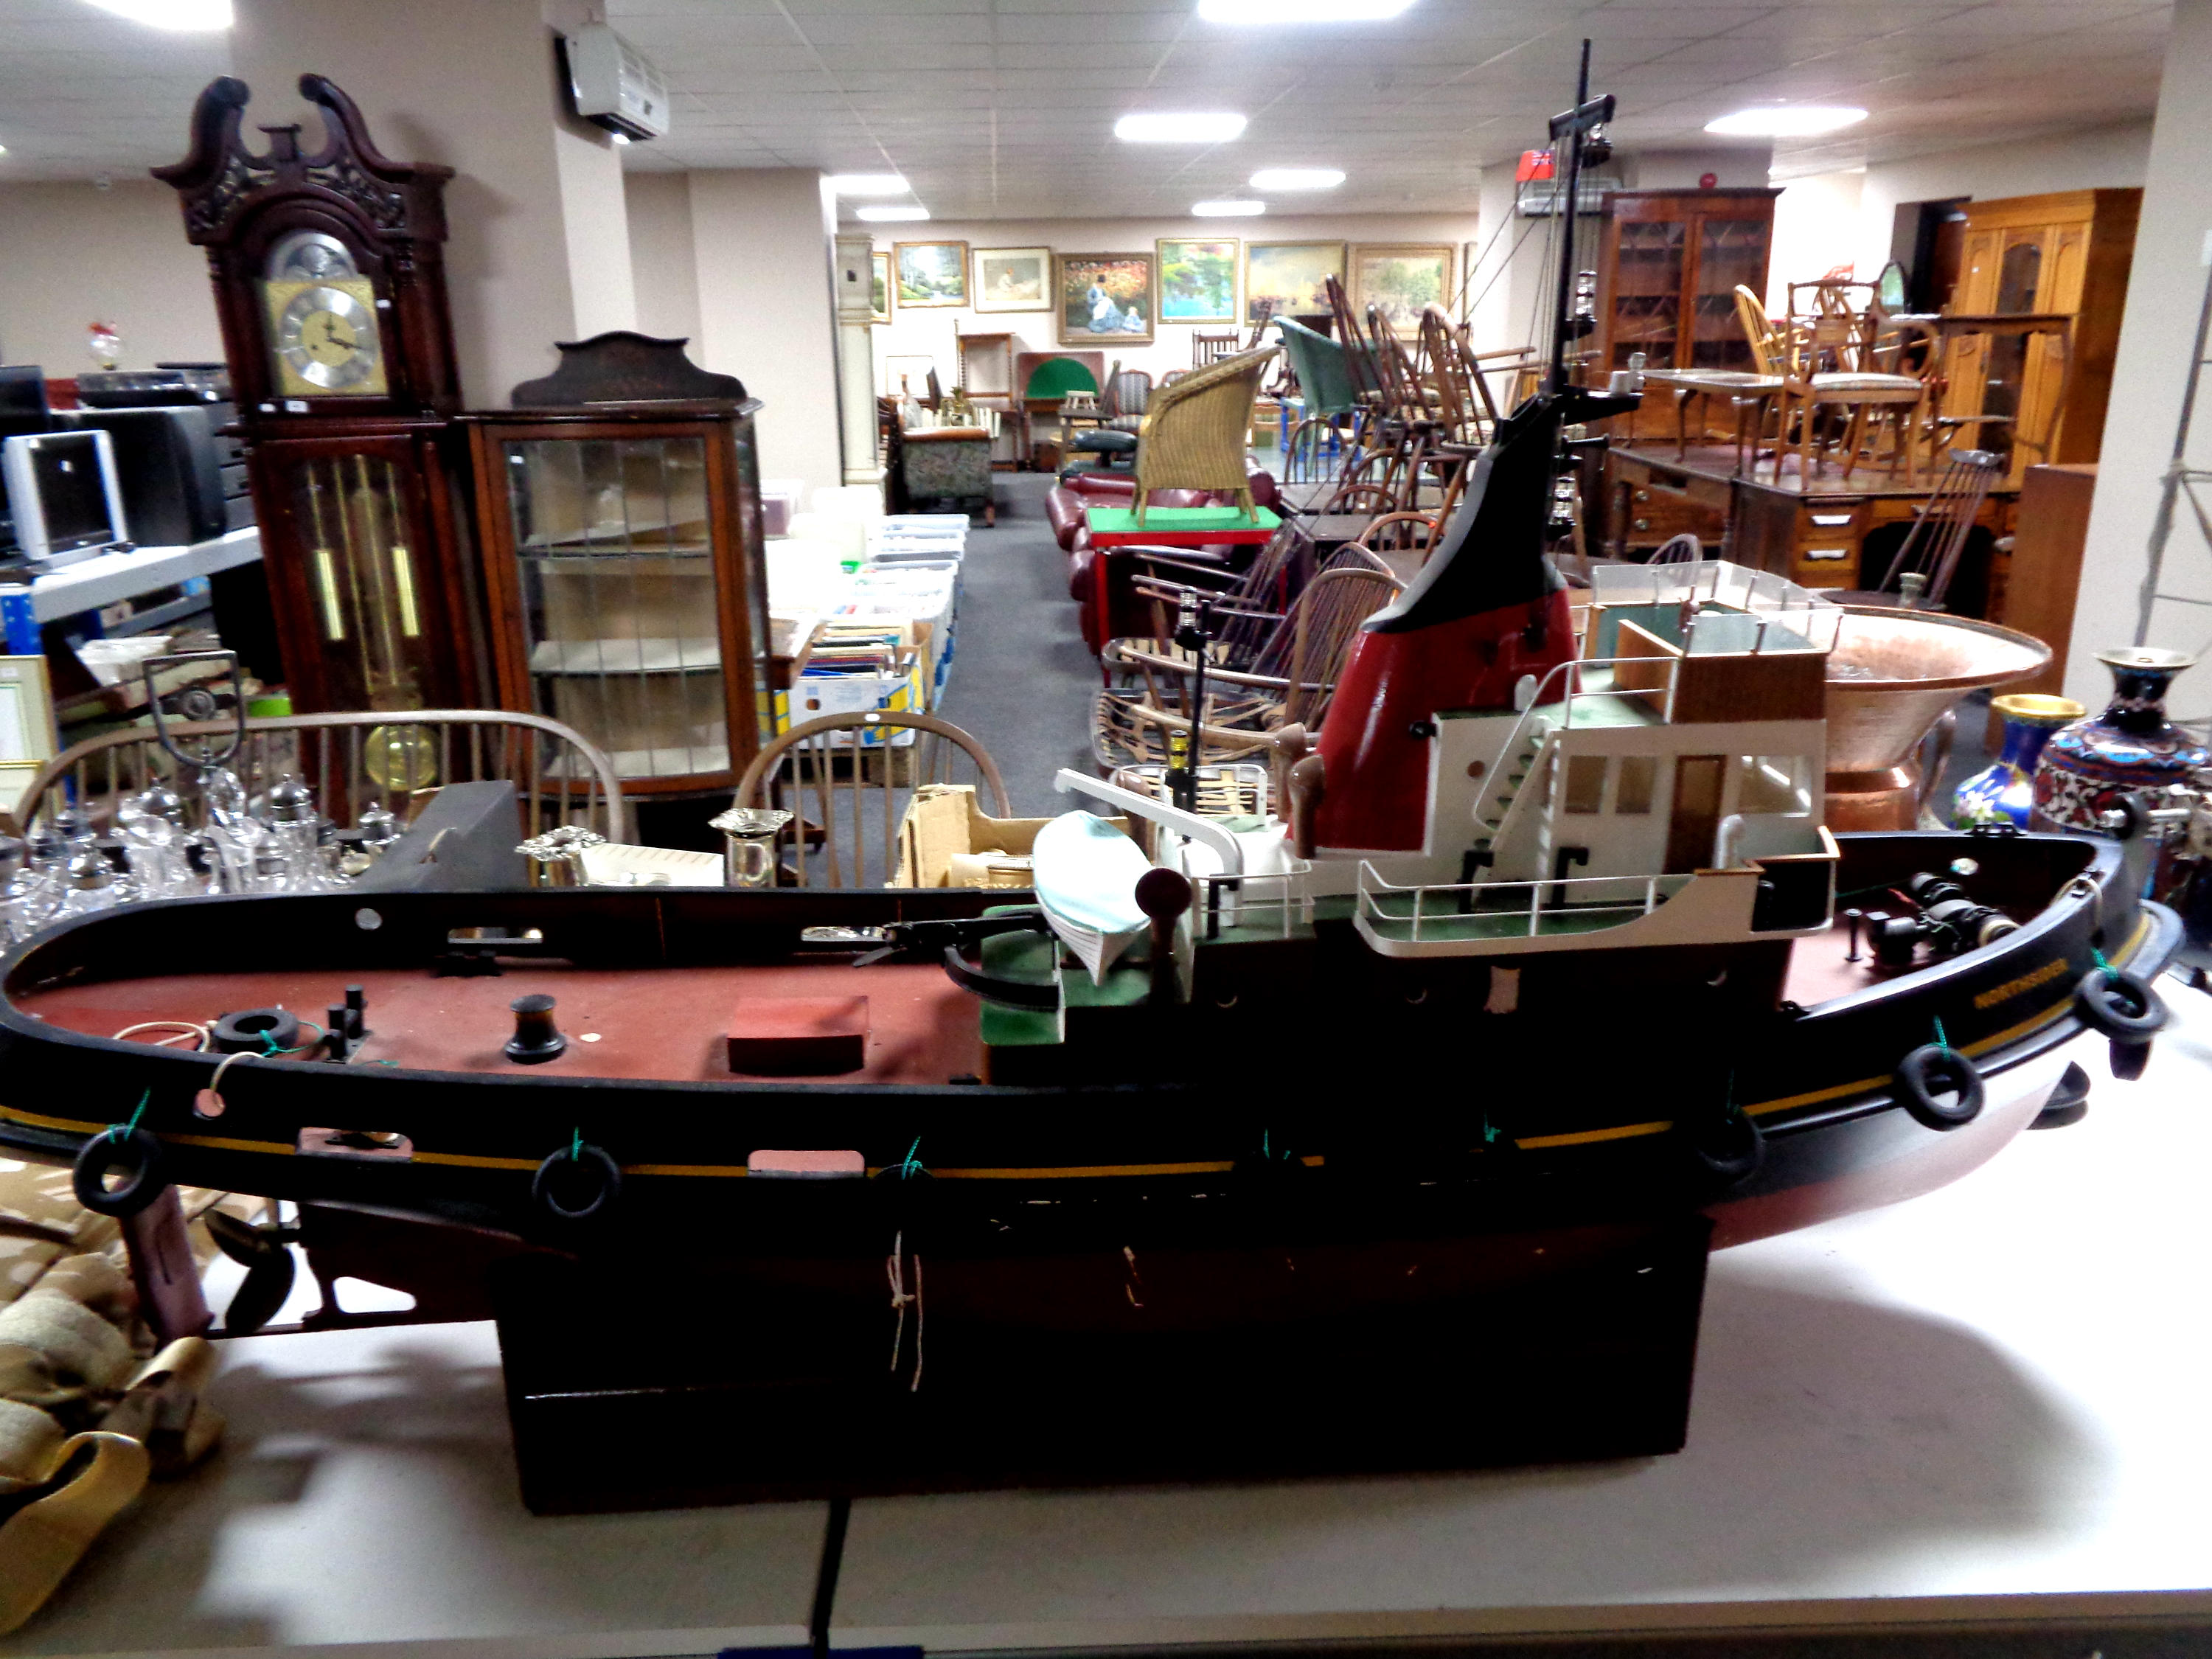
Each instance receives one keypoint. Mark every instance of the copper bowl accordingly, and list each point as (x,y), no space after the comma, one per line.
(1901,669)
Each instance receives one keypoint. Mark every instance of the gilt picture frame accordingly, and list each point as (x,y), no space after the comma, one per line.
(1012,279)
(926,274)
(1291,276)
(879,287)
(1198,279)
(1404,278)
(1106,299)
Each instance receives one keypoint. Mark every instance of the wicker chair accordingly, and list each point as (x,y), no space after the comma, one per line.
(1194,431)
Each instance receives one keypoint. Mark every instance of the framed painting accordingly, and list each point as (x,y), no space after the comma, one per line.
(879,287)
(1013,279)
(1106,298)
(1198,279)
(28,737)
(929,274)
(1291,277)
(1403,279)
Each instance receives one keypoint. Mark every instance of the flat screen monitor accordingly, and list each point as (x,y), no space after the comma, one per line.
(62,493)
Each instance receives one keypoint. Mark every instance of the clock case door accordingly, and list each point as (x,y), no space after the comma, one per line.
(361,626)
(589,617)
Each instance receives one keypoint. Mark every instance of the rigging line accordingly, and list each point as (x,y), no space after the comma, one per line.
(1506,264)
(825,1575)
(1475,264)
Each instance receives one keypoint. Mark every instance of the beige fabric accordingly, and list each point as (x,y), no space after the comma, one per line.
(83,1347)
(28,1440)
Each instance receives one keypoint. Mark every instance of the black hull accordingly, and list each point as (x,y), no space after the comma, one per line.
(1443,1135)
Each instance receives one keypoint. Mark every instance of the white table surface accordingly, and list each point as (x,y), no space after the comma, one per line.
(94,583)
(1987,1404)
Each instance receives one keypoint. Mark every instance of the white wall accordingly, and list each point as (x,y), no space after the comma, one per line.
(72,254)
(664,265)
(595,225)
(2166,288)
(474,87)
(762,237)
(930,331)
(1816,229)
(1824,234)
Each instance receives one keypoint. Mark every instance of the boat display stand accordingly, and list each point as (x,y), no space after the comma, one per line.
(718,1389)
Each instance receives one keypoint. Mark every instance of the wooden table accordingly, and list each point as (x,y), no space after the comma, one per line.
(1818,536)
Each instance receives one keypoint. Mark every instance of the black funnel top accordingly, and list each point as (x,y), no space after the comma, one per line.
(1493,550)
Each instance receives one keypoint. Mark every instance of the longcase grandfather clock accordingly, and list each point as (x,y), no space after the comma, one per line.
(330,281)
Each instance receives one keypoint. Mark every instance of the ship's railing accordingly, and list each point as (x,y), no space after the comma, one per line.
(1275,899)
(1789,617)
(1547,701)
(1436,904)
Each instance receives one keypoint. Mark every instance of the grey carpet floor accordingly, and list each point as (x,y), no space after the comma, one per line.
(1022,680)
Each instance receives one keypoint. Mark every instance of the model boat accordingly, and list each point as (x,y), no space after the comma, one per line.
(1550,934)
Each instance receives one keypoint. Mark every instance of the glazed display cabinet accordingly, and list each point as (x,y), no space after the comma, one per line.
(1670,263)
(626,585)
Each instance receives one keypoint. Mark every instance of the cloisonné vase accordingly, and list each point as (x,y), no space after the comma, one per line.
(2005,791)
(2087,766)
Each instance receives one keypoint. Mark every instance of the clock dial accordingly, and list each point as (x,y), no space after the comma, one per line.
(324,338)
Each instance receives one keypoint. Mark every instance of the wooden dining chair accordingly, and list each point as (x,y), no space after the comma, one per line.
(1826,366)
(847,779)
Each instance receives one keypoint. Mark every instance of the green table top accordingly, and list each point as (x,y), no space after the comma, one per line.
(1217,523)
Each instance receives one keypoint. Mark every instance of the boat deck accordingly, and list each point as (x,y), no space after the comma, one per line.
(663,1024)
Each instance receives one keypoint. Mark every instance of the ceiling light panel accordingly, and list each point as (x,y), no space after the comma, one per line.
(1167,128)
(182,16)
(1300,11)
(1297,179)
(1234,208)
(1787,121)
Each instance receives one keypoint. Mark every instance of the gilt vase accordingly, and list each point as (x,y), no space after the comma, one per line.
(2005,792)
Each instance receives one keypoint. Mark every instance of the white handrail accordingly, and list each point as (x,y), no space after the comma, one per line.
(1373,887)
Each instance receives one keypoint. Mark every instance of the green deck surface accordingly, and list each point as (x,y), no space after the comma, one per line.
(1027,958)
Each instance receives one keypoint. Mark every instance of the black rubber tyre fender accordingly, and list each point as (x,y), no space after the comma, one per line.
(1727,1150)
(2126,1060)
(584,1156)
(1924,1075)
(2119,1005)
(103,1152)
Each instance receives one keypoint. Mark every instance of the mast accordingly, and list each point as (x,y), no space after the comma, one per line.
(1574,127)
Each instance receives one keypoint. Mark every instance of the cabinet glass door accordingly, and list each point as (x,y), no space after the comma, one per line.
(1647,292)
(620,615)
(1731,253)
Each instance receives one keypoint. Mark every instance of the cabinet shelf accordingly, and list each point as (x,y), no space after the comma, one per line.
(699,655)
(623,557)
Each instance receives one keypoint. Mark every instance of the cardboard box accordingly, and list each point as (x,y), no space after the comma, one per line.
(947,839)
(812,695)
